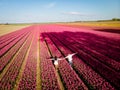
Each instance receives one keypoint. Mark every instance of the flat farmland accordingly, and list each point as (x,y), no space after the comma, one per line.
(95,24)
(4,29)
(25,58)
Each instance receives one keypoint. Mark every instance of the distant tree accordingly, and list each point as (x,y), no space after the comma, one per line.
(6,23)
(115,19)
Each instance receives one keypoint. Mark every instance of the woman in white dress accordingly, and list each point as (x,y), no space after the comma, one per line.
(69,57)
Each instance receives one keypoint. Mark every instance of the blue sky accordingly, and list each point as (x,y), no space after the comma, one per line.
(25,11)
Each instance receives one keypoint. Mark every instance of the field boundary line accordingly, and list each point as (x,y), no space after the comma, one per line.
(38,87)
(59,81)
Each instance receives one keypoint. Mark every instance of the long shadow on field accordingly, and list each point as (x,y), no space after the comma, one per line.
(109,30)
(106,46)
(96,51)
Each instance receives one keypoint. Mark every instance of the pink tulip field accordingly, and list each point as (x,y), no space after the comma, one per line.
(25,59)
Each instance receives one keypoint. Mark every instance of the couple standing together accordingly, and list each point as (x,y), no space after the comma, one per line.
(68,57)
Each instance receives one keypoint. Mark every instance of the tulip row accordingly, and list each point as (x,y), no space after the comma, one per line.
(101,68)
(8,46)
(28,79)
(48,74)
(11,38)
(11,35)
(20,34)
(69,77)
(94,80)
(4,60)
(7,82)
(91,78)
(93,52)
(101,44)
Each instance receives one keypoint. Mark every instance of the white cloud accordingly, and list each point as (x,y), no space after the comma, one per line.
(74,13)
(77,14)
(50,5)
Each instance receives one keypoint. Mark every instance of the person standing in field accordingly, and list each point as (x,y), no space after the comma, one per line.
(55,61)
(69,57)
